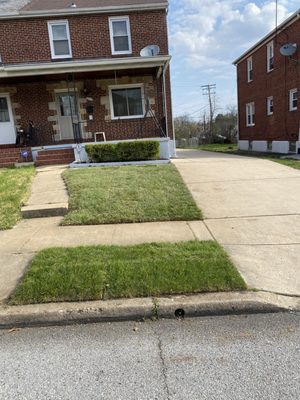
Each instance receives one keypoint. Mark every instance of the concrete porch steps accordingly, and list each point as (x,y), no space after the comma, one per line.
(55,157)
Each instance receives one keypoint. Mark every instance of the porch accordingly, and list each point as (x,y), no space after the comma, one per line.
(67,103)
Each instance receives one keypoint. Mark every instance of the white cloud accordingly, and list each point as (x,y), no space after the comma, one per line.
(210,34)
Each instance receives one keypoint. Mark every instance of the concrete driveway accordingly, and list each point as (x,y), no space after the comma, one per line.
(252,207)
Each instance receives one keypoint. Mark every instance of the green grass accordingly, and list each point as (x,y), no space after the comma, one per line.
(232,149)
(106,272)
(128,194)
(14,189)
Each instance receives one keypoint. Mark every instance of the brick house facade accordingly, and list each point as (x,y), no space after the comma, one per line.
(78,67)
(268,85)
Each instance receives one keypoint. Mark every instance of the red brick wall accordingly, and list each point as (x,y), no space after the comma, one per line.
(283,124)
(27,40)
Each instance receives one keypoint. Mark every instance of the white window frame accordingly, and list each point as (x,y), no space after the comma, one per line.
(291,99)
(111,33)
(249,69)
(270,105)
(270,55)
(131,86)
(51,39)
(250,112)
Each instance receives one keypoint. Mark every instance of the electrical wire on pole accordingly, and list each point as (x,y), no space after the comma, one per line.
(210,91)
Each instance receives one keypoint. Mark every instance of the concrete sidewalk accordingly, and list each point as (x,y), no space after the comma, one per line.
(252,208)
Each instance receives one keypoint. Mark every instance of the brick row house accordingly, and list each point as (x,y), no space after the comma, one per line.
(70,70)
(268,83)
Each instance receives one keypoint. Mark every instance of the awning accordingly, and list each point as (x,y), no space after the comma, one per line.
(48,68)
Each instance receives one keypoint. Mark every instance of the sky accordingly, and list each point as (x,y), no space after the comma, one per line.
(205,37)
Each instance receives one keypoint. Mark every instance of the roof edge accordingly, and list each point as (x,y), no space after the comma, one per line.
(270,35)
(85,11)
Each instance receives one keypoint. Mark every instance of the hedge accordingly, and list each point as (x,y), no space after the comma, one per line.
(123,151)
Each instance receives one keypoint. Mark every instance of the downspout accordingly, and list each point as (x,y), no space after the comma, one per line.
(165,107)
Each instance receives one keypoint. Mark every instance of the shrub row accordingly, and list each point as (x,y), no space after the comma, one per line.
(123,151)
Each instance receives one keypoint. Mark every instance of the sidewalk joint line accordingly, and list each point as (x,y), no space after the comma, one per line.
(253,216)
(210,231)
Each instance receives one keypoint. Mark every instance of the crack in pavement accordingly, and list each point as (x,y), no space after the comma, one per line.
(164,367)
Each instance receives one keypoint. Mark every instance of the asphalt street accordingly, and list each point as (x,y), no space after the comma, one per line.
(234,357)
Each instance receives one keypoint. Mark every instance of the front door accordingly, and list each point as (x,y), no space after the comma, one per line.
(67,114)
(7,126)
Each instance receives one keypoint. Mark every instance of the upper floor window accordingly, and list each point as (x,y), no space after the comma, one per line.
(59,36)
(270,106)
(249,69)
(293,99)
(120,38)
(250,114)
(126,101)
(270,56)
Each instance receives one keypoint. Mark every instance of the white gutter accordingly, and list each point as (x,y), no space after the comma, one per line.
(85,11)
(268,37)
(15,70)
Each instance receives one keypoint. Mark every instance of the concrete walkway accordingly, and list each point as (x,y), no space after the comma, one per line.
(49,195)
(252,208)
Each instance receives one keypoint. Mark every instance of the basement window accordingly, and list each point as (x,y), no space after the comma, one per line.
(59,36)
(292,147)
(269,145)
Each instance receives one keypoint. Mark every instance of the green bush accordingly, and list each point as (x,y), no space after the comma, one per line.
(123,151)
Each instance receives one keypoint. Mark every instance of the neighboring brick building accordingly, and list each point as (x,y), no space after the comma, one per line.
(268,85)
(75,69)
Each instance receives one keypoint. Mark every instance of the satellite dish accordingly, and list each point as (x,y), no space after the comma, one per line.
(150,51)
(288,49)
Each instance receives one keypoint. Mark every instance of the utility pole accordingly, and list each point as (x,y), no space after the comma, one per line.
(210,90)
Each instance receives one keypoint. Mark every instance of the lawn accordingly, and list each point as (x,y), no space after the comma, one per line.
(128,194)
(232,149)
(14,189)
(106,272)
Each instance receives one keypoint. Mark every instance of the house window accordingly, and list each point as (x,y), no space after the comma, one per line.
(270,107)
(249,69)
(120,38)
(60,42)
(270,57)
(293,99)
(250,114)
(126,101)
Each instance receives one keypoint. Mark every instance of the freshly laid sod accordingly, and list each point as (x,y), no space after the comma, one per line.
(128,194)
(14,188)
(232,149)
(106,272)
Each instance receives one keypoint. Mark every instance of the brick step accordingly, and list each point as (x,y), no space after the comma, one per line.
(11,153)
(54,161)
(55,152)
(7,164)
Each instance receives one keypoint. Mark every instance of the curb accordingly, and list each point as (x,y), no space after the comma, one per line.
(208,304)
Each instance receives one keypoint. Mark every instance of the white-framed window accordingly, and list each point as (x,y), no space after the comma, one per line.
(270,56)
(293,99)
(270,105)
(120,36)
(249,69)
(250,114)
(127,101)
(59,36)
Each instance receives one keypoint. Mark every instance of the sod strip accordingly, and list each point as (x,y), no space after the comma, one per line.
(108,272)
(14,190)
(128,194)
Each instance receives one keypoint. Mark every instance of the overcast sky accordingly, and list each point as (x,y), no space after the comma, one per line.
(206,36)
